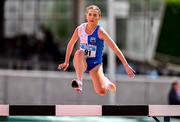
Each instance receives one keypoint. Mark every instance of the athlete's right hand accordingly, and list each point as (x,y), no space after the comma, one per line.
(63,66)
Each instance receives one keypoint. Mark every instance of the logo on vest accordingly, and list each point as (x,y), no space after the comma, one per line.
(93,40)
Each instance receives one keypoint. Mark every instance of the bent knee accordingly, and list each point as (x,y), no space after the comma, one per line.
(79,54)
(101,91)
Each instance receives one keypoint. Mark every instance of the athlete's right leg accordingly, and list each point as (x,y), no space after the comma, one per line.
(79,63)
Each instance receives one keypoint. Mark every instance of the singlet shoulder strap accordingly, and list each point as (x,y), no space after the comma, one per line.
(81,28)
(97,28)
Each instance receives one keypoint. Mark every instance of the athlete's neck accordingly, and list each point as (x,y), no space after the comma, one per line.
(90,28)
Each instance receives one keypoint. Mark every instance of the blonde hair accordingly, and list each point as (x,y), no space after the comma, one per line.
(94,7)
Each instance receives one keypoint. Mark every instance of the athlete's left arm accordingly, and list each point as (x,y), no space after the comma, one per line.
(104,36)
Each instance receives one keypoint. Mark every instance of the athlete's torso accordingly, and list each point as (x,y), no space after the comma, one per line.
(91,44)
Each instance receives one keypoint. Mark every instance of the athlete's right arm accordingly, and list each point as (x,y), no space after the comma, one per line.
(69,49)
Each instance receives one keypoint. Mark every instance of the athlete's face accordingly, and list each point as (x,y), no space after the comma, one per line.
(93,16)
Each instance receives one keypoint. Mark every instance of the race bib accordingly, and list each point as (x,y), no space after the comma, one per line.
(89,50)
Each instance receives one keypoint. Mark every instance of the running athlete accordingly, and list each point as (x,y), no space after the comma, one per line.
(89,56)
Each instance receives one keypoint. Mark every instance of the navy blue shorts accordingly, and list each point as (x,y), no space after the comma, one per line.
(91,64)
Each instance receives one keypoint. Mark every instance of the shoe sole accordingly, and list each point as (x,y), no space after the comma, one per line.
(74,84)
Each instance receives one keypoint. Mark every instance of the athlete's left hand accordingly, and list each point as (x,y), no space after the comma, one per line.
(130,71)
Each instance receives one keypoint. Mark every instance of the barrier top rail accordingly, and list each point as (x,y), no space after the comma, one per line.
(90,110)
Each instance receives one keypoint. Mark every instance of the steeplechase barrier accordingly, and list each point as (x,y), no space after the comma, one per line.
(154,111)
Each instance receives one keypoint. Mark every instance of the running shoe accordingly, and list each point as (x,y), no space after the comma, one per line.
(77,85)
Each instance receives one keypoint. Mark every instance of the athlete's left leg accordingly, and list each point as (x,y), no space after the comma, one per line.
(100,82)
